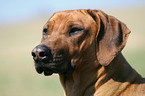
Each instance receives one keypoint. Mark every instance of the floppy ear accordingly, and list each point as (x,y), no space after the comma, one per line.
(111,37)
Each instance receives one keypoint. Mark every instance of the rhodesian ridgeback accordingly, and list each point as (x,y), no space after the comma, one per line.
(84,48)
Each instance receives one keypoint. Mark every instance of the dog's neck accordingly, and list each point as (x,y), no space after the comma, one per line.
(90,78)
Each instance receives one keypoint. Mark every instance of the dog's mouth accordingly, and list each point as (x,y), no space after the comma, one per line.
(58,64)
(45,71)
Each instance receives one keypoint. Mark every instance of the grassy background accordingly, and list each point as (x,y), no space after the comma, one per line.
(17,73)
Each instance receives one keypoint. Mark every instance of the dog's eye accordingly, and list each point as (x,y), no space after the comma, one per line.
(75,30)
(45,30)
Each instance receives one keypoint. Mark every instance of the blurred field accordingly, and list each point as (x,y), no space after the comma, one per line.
(17,73)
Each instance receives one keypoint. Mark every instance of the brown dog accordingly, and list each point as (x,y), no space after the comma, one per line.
(84,47)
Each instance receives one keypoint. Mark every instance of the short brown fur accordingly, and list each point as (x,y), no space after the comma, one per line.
(100,68)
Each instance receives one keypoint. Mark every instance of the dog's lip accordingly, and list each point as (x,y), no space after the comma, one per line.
(49,68)
(46,72)
(53,67)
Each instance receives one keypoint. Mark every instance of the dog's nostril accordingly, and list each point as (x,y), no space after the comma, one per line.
(33,54)
(42,54)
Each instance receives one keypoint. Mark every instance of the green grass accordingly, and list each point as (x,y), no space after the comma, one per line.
(17,73)
(137,61)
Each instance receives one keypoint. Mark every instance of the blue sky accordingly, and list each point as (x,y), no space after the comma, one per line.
(17,10)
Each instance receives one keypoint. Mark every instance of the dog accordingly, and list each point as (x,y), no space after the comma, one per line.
(84,48)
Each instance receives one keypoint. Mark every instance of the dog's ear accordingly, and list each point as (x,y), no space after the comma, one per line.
(111,36)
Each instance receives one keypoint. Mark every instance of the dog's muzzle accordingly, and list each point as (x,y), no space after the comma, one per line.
(48,63)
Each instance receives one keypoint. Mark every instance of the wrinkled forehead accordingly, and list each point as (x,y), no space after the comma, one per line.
(69,16)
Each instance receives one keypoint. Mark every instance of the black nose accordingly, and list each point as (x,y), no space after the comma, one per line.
(41,53)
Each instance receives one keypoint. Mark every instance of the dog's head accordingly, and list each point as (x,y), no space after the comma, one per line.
(72,36)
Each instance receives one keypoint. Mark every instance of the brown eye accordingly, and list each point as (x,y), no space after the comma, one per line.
(75,30)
